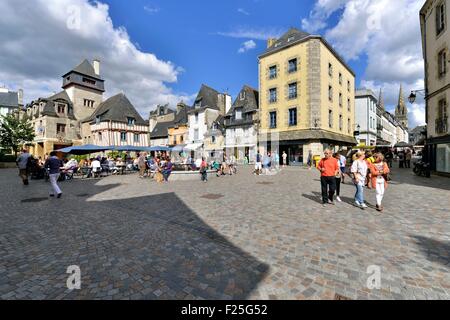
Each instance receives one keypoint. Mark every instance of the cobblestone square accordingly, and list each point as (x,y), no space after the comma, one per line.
(239,237)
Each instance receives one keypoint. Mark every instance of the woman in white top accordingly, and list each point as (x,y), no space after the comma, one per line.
(359,171)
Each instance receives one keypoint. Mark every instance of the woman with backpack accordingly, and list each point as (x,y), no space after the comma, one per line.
(380,171)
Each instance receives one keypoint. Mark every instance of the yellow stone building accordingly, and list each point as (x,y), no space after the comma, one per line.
(307,97)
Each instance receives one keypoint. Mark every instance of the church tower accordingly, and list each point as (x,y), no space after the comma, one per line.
(381,100)
(401,111)
(85,87)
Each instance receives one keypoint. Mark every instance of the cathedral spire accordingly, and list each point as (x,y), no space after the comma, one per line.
(401,112)
(380,100)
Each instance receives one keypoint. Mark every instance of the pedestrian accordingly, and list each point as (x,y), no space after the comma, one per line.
(379,170)
(339,177)
(258,164)
(142,164)
(342,165)
(204,170)
(408,157)
(167,170)
(328,168)
(284,156)
(401,160)
(54,165)
(359,171)
(310,159)
(389,157)
(23,163)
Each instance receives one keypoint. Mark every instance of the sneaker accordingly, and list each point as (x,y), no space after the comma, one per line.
(59,195)
(324,205)
(331,202)
(357,204)
(52,195)
(338,199)
(363,205)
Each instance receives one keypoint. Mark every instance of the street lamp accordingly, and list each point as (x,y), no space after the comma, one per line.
(412,97)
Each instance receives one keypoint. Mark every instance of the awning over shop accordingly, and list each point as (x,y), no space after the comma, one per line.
(179,148)
(193,146)
(83,150)
(311,135)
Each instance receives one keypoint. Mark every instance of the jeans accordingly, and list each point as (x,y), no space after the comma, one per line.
(359,196)
(338,187)
(166,175)
(205,176)
(330,184)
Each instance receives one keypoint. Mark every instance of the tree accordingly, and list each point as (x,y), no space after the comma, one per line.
(15,132)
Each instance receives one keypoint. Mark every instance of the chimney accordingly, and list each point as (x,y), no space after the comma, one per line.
(180,107)
(97,66)
(20,97)
(271,42)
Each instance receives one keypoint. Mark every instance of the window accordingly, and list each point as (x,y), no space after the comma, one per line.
(273,95)
(213,139)
(60,128)
(349,126)
(442,63)
(242,95)
(292,66)
(330,118)
(136,138)
(442,109)
(340,99)
(196,118)
(123,136)
(440,18)
(330,93)
(99,136)
(348,86)
(273,119)
(330,69)
(196,136)
(97,120)
(88,103)
(89,81)
(293,90)
(293,117)
(238,114)
(61,108)
(291,39)
(131,121)
(181,139)
(273,72)
(349,107)
(198,104)
(340,78)
(341,122)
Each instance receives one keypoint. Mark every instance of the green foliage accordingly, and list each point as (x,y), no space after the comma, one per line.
(15,132)
(116,154)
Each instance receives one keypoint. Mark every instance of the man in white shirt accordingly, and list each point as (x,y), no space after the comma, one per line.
(96,167)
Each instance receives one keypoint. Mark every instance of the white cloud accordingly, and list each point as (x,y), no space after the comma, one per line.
(151,9)
(253,33)
(243,11)
(387,33)
(246,46)
(38,47)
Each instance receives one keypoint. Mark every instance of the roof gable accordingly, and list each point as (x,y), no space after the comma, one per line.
(9,99)
(85,68)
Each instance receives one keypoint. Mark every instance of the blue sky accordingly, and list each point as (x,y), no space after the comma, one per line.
(188,34)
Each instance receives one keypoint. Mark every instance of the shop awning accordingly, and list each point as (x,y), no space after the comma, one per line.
(193,146)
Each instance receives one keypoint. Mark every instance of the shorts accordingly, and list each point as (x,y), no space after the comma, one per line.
(343,169)
(258,166)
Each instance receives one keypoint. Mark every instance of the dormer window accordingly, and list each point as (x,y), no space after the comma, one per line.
(291,39)
(61,108)
(98,120)
(89,81)
(242,95)
(131,121)
(238,114)
(198,104)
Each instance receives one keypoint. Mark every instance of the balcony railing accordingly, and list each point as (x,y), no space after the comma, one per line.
(441,125)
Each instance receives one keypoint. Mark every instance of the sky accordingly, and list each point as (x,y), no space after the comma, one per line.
(161,51)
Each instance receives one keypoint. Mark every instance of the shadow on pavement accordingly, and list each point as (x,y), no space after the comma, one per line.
(152,247)
(434,250)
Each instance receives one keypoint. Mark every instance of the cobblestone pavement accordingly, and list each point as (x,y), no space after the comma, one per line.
(240,237)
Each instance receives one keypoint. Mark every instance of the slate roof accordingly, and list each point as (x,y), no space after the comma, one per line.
(118,109)
(85,68)
(208,98)
(181,118)
(249,104)
(9,99)
(161,130)
(167,111)
(49,108)
(295,36)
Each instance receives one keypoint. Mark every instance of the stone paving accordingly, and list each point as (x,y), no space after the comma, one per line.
(240,237)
